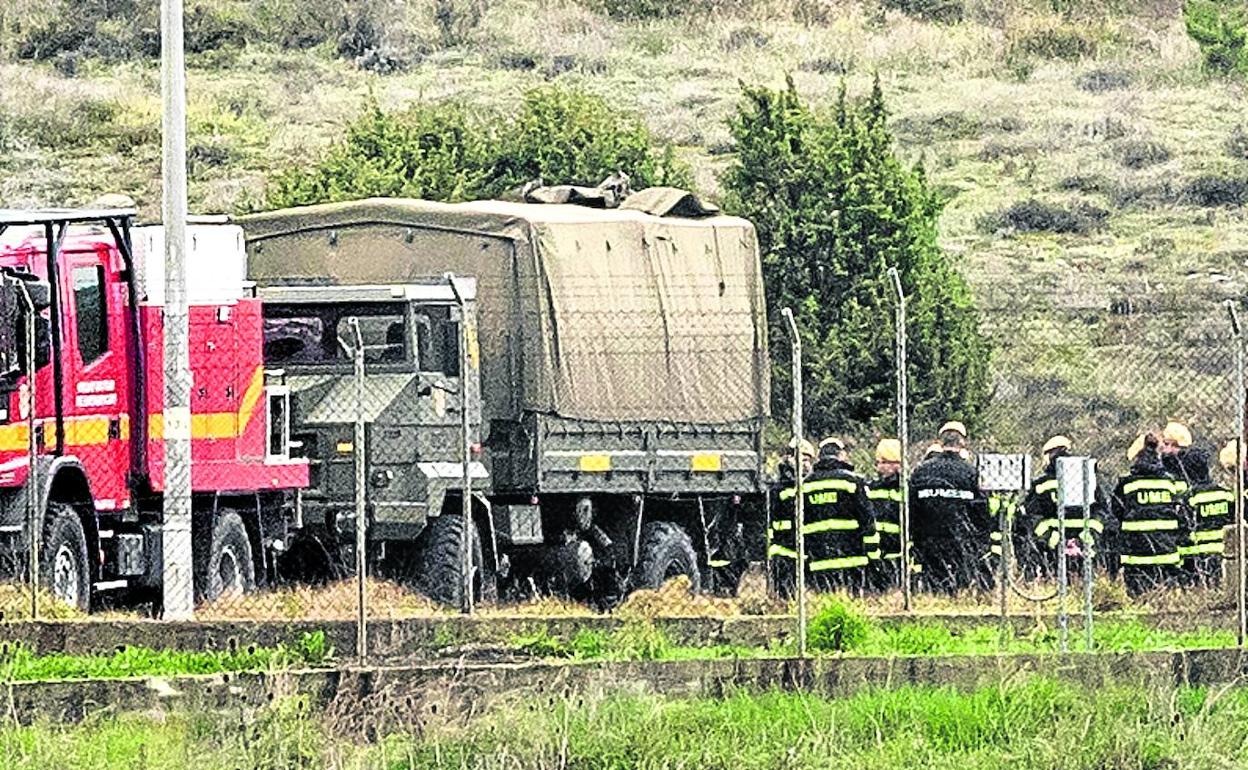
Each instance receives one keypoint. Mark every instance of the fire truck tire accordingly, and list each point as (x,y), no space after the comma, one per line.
(228,566)
(439,569)
(65,571)
(666,552)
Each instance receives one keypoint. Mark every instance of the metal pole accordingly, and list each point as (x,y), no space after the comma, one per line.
(465,427)
(799,499)
(903,436)
(32,454)
(1063,621)
(1089,492)
(1004,528)
(1241,597)
(361,503)
(178,576)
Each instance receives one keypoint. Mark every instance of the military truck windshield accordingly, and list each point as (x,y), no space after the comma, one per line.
(393,333)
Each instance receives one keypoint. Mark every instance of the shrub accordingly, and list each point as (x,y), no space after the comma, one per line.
(1035,216)
(838,626)
(1220,28)
(835,209)
(1217,190)
(1099,81)
(444,151)
(945,11)
(1140,153)
(1050,39)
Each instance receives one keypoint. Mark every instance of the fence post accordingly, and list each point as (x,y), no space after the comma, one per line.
(33,533)
(465,427)
(903,436)
(361,506)
(1089,494)
(799,507)
(1241,609)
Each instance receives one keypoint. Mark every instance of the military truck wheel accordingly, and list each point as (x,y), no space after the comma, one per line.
(64,569)
(666,552)
(439,572)
(227,566)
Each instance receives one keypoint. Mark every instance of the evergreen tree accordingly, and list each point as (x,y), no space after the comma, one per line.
(835,209)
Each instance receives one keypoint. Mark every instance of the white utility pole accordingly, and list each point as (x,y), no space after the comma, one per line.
(179,581)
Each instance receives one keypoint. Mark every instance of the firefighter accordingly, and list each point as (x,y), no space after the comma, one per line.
(1042,516)
(885,496)
(1040,505)
(1212,509)
(839,525)
(1148,507)
(950,526)
(781,539)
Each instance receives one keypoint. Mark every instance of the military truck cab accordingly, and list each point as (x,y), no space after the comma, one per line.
(411,404)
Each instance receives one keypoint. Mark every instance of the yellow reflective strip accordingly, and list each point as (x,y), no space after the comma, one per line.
(995,536)
(822,485)
(782,525)
(885,494)
(874,555)
(1153,560)
(1093,524)
(888,527)
(1212,496)
(779,550)
(1202,549)
(251,397)
(826,525)
(1046,486)
(715,563)
(788,493)
(1154,525)
(996,550)
(1207,535)
(871,539)
(845,562)
(706,463)
(1160,484)
(594,463)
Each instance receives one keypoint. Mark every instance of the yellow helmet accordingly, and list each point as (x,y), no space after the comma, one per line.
(832,441)
(1137,446)
(807,448)
(888,451)
(1057,442)
(1226,457)
(1177,433)
(954,425)
(933,448)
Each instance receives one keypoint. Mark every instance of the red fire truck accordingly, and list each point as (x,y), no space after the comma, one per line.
(93,500)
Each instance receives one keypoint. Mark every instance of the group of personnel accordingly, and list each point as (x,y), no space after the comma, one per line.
(1161,524)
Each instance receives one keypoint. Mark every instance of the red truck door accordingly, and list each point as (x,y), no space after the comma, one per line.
(97,425)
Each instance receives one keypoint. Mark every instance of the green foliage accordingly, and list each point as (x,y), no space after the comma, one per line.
(1220,28)
(835,209)
(19,663)
(444,151)
(838,626)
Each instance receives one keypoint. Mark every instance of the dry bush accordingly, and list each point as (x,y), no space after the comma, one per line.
(336,601)
(1136,154)
(674,599)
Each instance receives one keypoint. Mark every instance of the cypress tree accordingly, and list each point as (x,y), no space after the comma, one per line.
(835,209)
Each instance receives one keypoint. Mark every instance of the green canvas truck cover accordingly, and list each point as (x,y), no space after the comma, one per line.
(590,314)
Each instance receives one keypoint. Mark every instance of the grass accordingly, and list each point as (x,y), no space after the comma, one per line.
(1029,724)
(19,663)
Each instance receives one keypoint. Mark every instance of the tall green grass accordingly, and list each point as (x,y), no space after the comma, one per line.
(19,663)
(1030,724)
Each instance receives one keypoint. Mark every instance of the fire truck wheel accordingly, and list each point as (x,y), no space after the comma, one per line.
(440,574)
(666,552)
(65,570)
(229,568)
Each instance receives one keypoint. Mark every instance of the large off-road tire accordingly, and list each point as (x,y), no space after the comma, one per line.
(439,570)
(63,566)
(226,566)
(666,552)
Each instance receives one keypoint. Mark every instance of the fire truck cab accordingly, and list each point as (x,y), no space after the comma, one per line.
(81,475)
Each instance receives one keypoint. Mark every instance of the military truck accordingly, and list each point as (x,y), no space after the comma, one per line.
(616,380)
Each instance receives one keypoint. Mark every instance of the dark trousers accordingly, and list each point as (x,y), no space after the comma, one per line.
(948,565)
(1203,571)
(850,579)
(884,575)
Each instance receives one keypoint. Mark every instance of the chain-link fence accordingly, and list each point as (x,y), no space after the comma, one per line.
(592,437)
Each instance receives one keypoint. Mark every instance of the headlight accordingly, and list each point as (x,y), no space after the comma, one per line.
(382,477)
